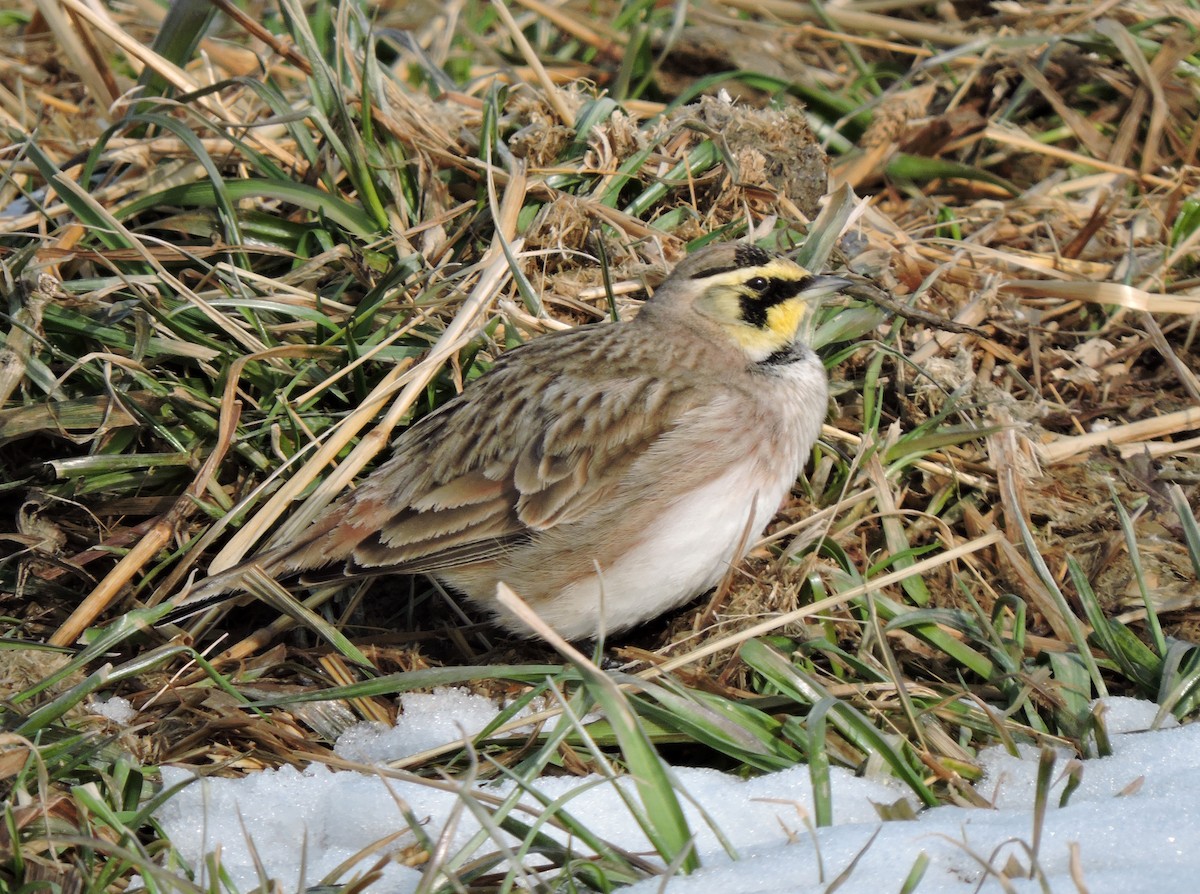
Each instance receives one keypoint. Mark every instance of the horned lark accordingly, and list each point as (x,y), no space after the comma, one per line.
(607,473)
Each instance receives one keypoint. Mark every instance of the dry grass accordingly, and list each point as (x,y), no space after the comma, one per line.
(228,292)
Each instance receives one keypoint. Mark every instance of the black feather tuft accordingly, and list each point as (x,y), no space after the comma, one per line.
(744,257)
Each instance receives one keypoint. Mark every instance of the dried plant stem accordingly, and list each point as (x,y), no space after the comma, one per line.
(1064,449)
(552,93)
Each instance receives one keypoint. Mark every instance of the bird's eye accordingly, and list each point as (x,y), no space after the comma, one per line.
(757,283)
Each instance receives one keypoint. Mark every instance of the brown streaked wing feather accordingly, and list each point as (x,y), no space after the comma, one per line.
(532,447)
(576,463)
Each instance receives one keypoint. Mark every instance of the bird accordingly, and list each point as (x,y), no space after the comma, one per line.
(607,473)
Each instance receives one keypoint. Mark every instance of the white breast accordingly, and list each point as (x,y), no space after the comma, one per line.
(686,551)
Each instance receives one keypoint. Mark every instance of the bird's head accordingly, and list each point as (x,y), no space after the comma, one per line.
(759,299)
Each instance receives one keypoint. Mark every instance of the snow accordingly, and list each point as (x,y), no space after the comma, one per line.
(115,709)
(429,720)
(1131,826)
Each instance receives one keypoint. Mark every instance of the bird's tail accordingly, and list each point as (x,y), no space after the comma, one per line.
(259,575)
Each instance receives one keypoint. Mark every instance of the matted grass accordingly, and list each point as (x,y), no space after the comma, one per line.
(241,253)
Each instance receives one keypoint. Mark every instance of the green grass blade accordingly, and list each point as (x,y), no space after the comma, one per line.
(300,194)
(849,722)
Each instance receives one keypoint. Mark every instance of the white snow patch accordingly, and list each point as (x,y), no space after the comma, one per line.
(1134,819)
(116,709)
(426,721)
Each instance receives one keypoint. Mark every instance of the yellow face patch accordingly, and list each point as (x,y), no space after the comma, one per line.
(763,307)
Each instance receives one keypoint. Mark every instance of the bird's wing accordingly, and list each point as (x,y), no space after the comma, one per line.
(535,446)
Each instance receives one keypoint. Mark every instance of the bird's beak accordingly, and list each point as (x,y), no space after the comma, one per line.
(820,286)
